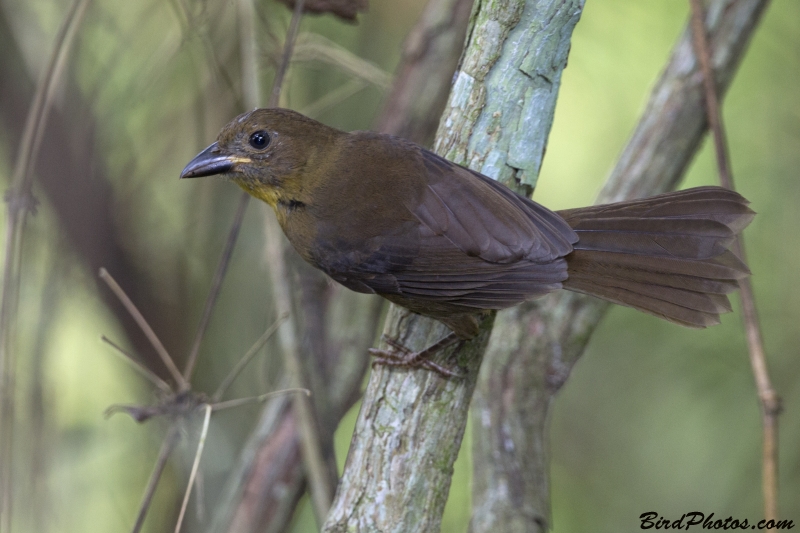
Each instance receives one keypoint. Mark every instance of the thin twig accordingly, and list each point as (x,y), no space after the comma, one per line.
(222,267)
(770,401)
(145,327)
(188,22)
(200,445)
(137,365)
(216,285)
(246,359)
(711,98)
(321,491)
(333,97)
(161,463)
(251,86)
(221,406)
(315,47)
(182,14)
(283,67)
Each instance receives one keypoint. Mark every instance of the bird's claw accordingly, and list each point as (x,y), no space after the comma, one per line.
(399,356)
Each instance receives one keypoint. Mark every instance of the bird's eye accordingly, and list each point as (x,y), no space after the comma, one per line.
(259,140)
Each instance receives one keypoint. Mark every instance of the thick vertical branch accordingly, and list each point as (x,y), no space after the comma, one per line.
(536,344)
(409,430)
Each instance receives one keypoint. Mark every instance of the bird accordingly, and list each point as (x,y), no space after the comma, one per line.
(380,214)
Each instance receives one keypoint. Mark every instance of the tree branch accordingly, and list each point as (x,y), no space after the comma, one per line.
(535,345)
(497,120)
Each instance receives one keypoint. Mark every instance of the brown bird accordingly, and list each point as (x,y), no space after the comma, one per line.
(382,215)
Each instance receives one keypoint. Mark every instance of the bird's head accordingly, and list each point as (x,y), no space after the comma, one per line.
(266,152)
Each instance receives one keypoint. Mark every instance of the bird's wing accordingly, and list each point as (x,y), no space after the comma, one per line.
(446,274)
(430,269)
(485,219)
(474,244)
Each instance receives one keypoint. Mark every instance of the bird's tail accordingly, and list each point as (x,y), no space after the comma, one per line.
(667,255)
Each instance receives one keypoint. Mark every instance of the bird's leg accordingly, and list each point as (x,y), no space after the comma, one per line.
(399,355)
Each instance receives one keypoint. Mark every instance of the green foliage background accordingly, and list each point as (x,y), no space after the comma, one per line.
(654,417)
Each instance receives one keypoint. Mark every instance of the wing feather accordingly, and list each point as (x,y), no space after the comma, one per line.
(469,243)
(486,219)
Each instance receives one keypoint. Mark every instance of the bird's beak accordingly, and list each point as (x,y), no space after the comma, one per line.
(212,161)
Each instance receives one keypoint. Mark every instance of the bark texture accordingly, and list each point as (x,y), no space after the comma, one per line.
(497,119)
(407,437)
(534,346)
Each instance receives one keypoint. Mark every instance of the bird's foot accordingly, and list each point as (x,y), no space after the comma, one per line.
(399,355)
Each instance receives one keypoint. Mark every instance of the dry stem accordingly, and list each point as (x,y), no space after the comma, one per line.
(161,463)
(770,401)
(148,331)
(137,365)
(216,285)
(195,465)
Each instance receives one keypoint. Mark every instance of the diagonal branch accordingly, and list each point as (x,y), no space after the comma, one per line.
(170,441)
(138,366)
(182,383)
(535,345)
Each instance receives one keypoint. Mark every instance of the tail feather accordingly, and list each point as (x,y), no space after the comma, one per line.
(677,281)
(666,255)
(678,314)
(700,239)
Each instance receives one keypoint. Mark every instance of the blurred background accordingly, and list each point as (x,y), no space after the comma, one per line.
(653,418)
